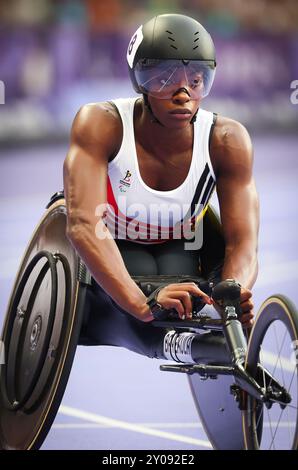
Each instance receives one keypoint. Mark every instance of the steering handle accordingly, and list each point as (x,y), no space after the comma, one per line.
(227,293)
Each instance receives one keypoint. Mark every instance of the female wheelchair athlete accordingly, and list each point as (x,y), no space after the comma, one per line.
(246,402)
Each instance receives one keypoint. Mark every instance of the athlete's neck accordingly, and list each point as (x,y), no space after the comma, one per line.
(160,139)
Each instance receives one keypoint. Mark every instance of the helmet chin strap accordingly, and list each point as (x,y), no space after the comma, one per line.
(148,106)
(154,118)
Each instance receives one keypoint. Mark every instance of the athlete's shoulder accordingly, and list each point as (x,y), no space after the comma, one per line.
(230,144)
(96,117)
(98,126)
(229,133)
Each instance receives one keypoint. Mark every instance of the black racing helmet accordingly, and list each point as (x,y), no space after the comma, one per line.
(169,52)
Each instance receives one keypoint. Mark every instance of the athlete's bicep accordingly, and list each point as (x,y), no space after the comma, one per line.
(85,171)
(84,183)
(236,189)
(239,211)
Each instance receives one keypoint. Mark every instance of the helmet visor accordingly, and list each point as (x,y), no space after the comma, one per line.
(163,78)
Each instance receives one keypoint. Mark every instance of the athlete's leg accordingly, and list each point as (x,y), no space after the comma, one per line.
(108,324)
(137,258)
(206,348)
(172,258)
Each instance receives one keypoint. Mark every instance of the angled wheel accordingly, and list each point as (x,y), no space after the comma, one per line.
(40,333)
(273,344)
(218,411)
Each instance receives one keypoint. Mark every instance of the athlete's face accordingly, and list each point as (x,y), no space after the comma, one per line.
(176,112)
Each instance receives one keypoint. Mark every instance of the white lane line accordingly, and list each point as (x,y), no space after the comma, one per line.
(98,419)
(157,425)
(147,425)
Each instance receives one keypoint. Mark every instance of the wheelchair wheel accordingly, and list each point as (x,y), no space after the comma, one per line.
(40,332)
(218,411)
(273,343)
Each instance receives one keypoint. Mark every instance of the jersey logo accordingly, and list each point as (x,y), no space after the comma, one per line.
(134,45)
(125,182)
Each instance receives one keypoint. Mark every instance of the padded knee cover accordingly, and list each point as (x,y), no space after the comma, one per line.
(186,347)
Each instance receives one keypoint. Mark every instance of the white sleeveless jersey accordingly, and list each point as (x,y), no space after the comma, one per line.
(142,214)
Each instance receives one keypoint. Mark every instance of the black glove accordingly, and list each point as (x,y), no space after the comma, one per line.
(157,310)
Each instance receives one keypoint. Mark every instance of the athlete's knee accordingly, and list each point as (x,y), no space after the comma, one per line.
(187,347)
(210,348)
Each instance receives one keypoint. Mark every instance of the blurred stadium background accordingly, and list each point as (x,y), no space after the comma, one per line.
(57,55)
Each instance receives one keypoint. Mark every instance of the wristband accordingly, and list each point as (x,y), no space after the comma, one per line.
(157,310)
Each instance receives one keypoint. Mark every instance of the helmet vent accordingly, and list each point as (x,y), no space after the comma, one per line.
(195,40)
(171,39)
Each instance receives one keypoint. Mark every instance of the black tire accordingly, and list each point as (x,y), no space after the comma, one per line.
(273,343)
(40,333)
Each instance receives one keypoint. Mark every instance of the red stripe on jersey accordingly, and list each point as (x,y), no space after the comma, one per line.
(116,219)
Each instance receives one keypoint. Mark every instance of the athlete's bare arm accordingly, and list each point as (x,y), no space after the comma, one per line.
(96,136)
(232,157)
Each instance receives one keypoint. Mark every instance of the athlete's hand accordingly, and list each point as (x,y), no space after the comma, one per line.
(246,304)
(247,317)
(177,296)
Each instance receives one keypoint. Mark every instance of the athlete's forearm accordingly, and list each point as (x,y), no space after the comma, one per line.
(105,263)
(241,263)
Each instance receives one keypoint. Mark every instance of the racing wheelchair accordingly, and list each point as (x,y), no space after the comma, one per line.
(249,403)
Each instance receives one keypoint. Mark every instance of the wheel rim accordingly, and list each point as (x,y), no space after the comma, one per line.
(273,343)
(44,340)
